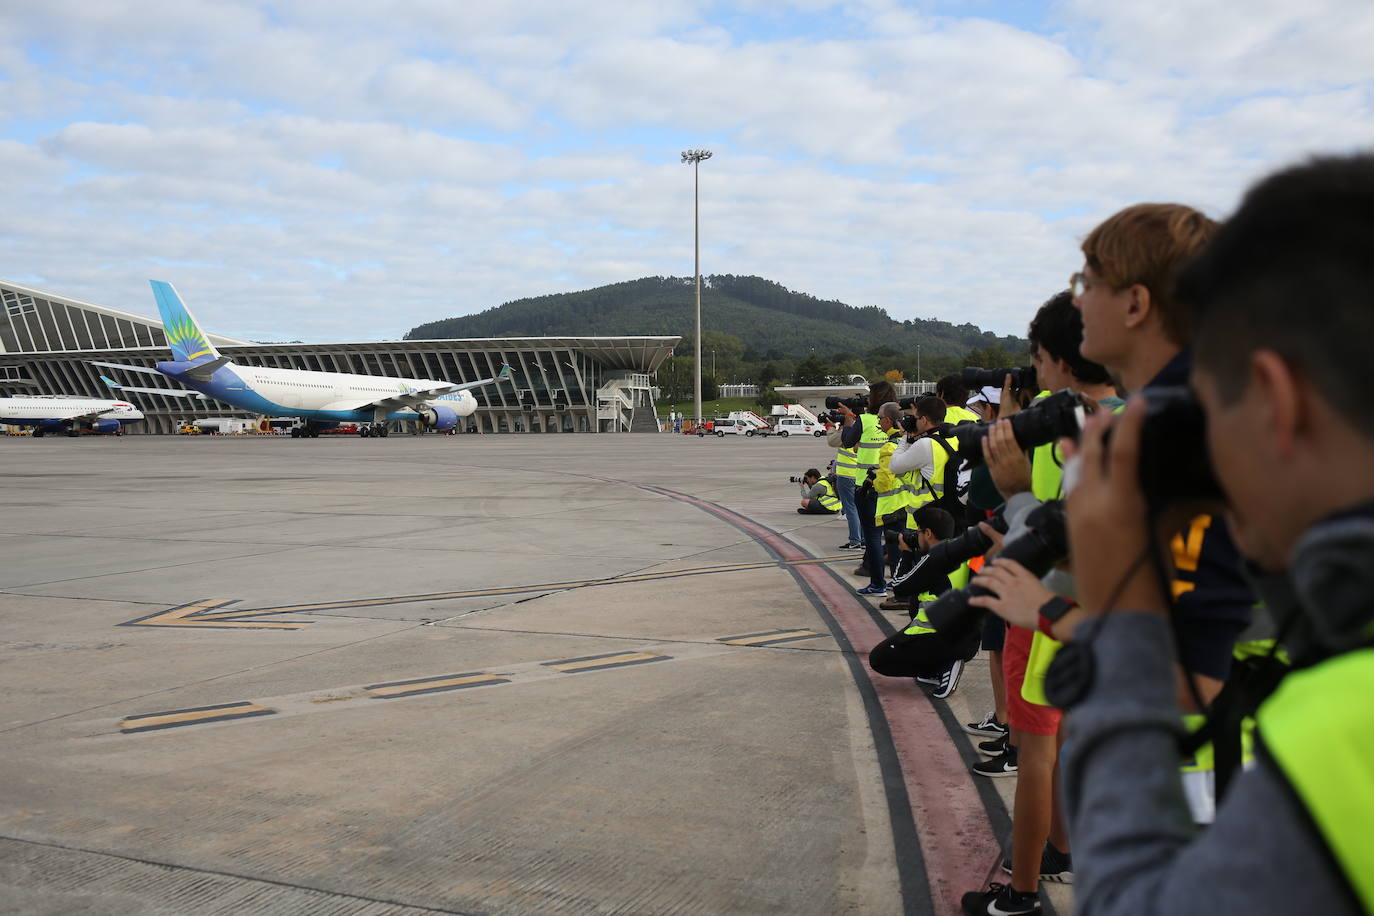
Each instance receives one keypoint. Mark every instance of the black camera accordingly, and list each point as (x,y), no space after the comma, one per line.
(1060,414)
(1022,379)
(907,403)
(856,405)
(909,424)
(1174,466)
(948,555)
(1039,549)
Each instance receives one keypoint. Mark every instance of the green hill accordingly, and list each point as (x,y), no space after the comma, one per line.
(772,321)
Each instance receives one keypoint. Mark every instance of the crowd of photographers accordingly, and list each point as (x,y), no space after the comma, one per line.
(1175,591)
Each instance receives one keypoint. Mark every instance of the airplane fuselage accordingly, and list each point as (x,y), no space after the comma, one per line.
(310,395)
(65,413)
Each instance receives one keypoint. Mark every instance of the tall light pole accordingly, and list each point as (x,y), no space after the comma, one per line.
(696,157)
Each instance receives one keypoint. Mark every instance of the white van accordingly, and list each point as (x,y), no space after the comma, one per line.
(727,427)
(797,426)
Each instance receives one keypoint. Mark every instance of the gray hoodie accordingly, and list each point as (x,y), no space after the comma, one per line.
(1135,848)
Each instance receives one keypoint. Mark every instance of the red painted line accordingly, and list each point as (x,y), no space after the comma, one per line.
(957,841)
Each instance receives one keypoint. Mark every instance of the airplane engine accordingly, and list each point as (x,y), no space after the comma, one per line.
(441,418)
(105,426)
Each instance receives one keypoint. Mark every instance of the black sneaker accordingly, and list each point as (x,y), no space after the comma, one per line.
(849,546)
(995,746)
(1001,900)
(1004,764)
(949,679)
(1054,865)
(988,727)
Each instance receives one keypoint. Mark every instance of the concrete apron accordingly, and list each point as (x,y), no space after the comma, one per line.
(507,675)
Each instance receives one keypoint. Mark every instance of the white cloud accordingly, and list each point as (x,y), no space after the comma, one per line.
(333,170)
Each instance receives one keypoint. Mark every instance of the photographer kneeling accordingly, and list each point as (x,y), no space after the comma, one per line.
(1283,400)
(818,495)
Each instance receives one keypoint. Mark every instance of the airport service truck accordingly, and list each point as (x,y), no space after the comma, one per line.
(796,420)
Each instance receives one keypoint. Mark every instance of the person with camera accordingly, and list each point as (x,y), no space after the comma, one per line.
(818,494)
(1283,401)
(1137,328)
(846,470)
(952,390)
(912,653)
(862,433)
(890,509)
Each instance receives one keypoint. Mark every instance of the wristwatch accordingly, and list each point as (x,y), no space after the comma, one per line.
(1051,611)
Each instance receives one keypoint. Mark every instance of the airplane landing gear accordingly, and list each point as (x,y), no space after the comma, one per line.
(378,430)
(73,431)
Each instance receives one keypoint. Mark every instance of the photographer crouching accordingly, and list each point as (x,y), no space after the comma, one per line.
(818,494)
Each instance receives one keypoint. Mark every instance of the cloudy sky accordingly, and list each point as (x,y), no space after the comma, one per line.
(341,170)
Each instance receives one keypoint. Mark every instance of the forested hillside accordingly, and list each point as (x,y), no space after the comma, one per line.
(770,320)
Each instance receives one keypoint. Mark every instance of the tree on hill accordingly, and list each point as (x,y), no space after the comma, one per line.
(811,371)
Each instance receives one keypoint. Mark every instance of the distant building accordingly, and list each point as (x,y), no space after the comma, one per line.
(561,384)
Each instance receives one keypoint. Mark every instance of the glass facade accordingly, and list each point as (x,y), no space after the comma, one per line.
(47,343)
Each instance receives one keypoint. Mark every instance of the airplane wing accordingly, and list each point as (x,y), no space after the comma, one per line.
(90,414)
(417,396)
(174,392)
(144,369)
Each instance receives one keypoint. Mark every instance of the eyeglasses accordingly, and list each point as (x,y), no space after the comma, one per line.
(1078,284)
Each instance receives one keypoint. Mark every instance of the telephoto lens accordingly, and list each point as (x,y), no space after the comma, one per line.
(909,424)
(1039,549)
(906,403)
(1061,414)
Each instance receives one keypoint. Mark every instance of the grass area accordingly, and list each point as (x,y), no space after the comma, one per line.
(720,407)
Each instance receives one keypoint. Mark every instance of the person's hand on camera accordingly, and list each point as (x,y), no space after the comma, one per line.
(1017,594)
(1011,472)
(1109,526)
(995,536)
(1010,404)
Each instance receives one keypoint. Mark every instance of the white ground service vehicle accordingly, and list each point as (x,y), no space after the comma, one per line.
(797,426)
(725,426)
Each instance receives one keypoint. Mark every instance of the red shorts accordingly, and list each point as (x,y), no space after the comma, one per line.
(1024,715)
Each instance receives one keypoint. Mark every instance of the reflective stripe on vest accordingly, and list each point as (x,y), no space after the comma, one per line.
(889,489)
(846,463)
(828,499)
(1319,729)
(871,439)
(935,487)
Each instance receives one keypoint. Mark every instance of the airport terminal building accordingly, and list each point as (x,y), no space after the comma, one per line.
(561,384)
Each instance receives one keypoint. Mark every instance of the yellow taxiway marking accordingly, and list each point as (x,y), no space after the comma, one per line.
(597,662)
(213,613)
(197,716)
(772,637)
(432,684)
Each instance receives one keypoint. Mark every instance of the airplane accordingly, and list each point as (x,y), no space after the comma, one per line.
(50,414)
(324,400)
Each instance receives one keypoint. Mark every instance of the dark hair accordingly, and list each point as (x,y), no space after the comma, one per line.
(812,472)
(1293,271)
(939,522)
(1058,330)
(879,393)
(1147,244)
(951,390)
(932,408)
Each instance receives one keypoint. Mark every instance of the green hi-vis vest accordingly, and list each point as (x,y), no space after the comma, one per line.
(1047,480)
(846,463)
(1319,729)
(828,499)
(927,491)
(957,414)
(920,623)
(871,439)
(890,490)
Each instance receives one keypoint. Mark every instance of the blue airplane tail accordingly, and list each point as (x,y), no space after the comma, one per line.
(188,342)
